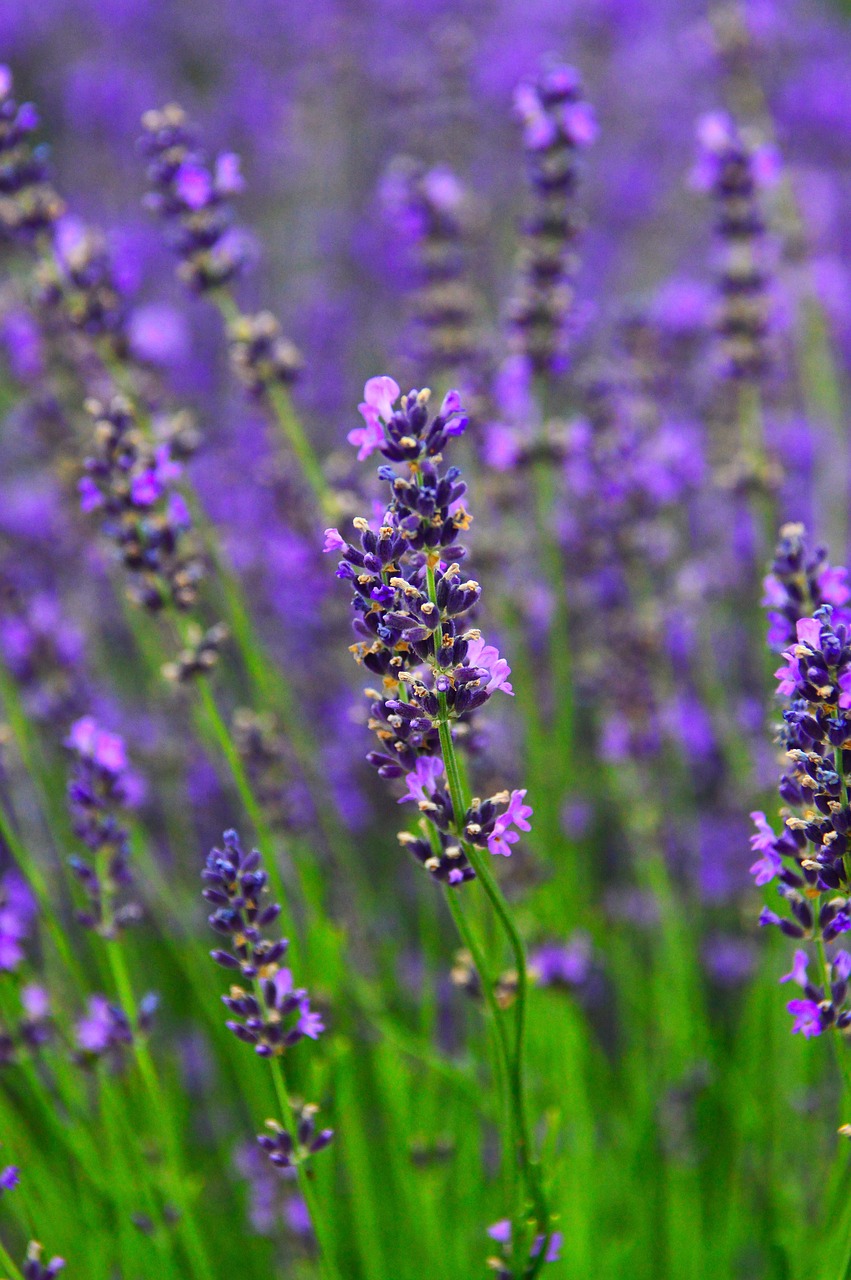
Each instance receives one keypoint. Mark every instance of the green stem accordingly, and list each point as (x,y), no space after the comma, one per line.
(305,1182)
(6,1259)
(193,1238)
(530,1167)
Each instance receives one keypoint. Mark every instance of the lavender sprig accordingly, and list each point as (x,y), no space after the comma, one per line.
(272,1015)
(809,858)
(557,125)
(410,603)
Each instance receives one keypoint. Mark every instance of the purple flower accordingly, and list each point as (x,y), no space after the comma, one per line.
(484,655)
(93,743)
(334,541)
(798,973)
(379,396)
(517,814)
(17,909)
(807,1017)
(770,864)
(562,964)
(422,782)
(9,1178)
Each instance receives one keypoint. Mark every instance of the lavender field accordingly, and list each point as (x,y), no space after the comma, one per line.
(425,651)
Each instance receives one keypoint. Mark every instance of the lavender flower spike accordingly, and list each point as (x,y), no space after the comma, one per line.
(808,860)
(410,603)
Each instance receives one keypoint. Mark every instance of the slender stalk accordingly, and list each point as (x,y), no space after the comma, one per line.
(193,1238)
(9,1264)
(530,1167)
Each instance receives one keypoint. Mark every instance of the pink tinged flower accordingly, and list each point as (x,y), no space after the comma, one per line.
(229,179)
(193,185)
(487,656)
(808,631)
(787,676)
(774,593)
(310,1022)
(106,749)
(807,1018)
(580,123)
(798,972)
(422,782)
(517,814)
(500,1231)
(283,983)
(94,1029)
(763,841)
(334,541)
(380,394)
(35,1001)
(833,585)
(369,438)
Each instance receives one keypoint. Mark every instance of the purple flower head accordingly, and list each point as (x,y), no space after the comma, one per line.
(487,656)
(17,910)
(379,396)
(798,972)
(9,1178)
(807,1017)
(770,864)
(562,964)
(501,1232)
(422,781)
(93,743)
(517,814)
(334,541)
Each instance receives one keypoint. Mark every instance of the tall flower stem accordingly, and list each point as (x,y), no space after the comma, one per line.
(193,1239)
(530,1167)
(305,1177)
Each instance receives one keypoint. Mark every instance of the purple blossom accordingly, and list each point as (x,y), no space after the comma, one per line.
(422,781)
(487,656)
(9,1178)
(517,814)
(798,972)
(770,864)
(807,1017)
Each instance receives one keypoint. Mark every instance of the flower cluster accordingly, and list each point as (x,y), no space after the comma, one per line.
(17,912)
(434,213)
(104,1031)
(28,203)
(557,125)
(808,860)
(260,354)
(193,198)
(33,1030)
(411,602)
(501,1233)
(80,275)
(273,1014)
(100,786)
(34,1269)
(130,480)
(43,650)
(734,172)
(800,582)
(286,1150)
